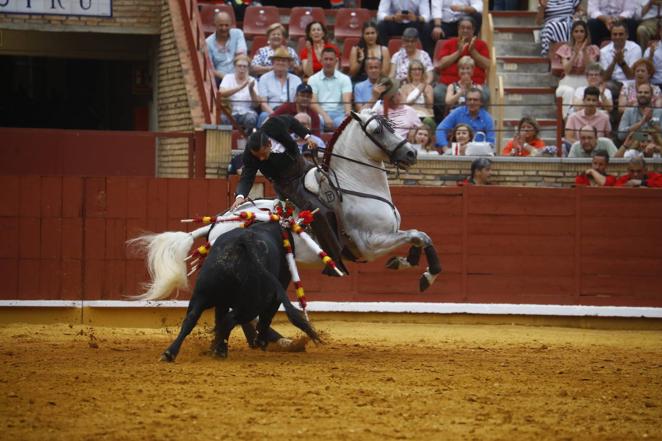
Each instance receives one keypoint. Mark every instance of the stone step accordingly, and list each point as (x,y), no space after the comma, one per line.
(516,49)
(523,34)
(507,65)
(522,79)
(514,111)
(513,18)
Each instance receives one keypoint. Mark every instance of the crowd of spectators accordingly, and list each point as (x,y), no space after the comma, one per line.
(436,94)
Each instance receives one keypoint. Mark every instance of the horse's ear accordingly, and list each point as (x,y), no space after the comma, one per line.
(355,115)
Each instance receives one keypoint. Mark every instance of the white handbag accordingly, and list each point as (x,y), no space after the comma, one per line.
(479,148)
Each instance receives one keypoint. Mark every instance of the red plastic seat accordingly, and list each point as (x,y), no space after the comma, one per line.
(256,43)
(258,18)
(207,13)
(300,16)
(349,22)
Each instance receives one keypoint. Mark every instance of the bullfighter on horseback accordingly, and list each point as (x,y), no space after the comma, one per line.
(272,150)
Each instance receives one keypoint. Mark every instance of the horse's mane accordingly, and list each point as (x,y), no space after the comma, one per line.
(326,159)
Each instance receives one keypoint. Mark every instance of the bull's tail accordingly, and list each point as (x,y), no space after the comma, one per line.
(295,316)
(165,255)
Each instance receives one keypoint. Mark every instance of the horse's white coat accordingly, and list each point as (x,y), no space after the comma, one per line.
(373,225)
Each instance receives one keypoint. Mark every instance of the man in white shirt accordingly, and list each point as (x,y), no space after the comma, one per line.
(446,15)
(604,13)
(617,58)
(649,13)
(394,16)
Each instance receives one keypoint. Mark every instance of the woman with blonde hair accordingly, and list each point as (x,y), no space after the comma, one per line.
(456,92)
(417,92)
(526,141)
(240,91)
(276,38)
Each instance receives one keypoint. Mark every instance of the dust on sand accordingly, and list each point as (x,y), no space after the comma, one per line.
(370,381)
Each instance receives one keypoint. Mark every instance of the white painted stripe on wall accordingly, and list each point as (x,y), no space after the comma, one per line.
(393,307)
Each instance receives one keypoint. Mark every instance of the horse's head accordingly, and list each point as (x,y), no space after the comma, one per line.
(380,131)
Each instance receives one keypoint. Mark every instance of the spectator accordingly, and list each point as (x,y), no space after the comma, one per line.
(301,104)
(472,114)
(417,92)
(332,91)
(394,16)
(407,53)
(276,38)
(575,56)
(648,27)
(460,138)
(654,55)
(224,45)
(641,119)
(596,176)
(369,91)
(306,121)
(588,116)
(556,17)
(451,51)
(456,93)
(604,13)
(643,71)
(277,86)
(638,176)
(316,42)
(593,78)
(481,172)
(368,48)
(239,88)
(526,142)
(405,119)
(446,15)
(589,143)
(423,141)
(617,59)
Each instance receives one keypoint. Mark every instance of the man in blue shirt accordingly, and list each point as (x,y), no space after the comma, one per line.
(223,45)
(368,92)
(472,114)
(332,91)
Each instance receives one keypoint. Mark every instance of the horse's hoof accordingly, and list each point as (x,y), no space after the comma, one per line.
(423,284)
(219,353)
(397,262)
(168,357)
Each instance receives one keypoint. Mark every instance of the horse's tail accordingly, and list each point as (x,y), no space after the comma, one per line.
(165,254)
(248,242)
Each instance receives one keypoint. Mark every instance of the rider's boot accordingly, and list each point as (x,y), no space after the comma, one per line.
(329,242)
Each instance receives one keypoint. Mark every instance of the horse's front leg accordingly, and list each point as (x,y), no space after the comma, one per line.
(384,243)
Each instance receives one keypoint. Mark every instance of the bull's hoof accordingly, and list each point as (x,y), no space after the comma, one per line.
(289,345)
(168,357)
(259,343)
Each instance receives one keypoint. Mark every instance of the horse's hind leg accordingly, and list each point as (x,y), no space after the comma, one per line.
(193,313)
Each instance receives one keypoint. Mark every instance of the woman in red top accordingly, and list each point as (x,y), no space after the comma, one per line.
(526,141)
(311,54)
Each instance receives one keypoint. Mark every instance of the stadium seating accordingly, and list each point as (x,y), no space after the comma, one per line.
(300,17)
(347,48)
(349,22)
(256,43)
(258,18)
(207,12)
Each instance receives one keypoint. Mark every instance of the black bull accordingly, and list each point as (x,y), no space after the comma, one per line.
(244,276)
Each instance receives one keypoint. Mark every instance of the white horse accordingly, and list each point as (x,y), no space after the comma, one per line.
(369,220)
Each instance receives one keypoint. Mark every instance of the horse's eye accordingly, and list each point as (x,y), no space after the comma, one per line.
(378,130)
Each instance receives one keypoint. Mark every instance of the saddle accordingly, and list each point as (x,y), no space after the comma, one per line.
(318,182)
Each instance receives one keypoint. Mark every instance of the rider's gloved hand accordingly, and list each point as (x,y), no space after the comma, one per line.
(238,201)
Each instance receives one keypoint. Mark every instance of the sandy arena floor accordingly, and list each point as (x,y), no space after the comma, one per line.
(371,381)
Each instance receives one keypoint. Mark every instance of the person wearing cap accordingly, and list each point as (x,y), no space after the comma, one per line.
(332,91)
(394,16)
(272,150)
(276,38)
(466,43)
(224,45)
(277,86)
(301,104)
(408,52)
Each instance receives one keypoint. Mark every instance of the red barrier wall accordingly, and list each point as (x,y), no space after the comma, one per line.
(77,152)
(63,238)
